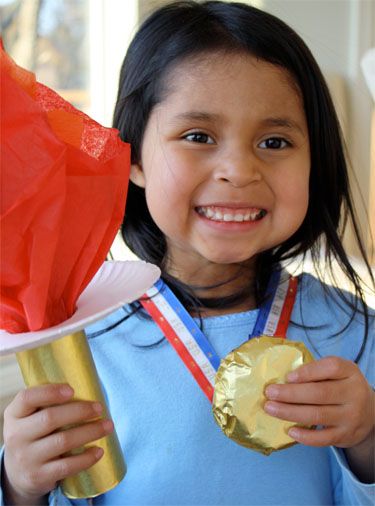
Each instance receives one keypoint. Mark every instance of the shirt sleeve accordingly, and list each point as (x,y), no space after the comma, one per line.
(348,490)
(1,476)
(57,498)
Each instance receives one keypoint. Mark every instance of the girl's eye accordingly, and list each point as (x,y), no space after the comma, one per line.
(199,137)
(274,143)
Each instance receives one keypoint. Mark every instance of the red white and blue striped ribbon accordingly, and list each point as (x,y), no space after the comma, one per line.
(274,315)
(192,345)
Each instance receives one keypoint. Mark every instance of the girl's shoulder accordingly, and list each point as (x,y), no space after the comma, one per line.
(320,300)
(333,321)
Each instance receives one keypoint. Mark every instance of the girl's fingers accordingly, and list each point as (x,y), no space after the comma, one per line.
(313,437)
(48,420)
(30,400)
(322,392)
(68,466)
(306,414)
(64,441)
(324,369)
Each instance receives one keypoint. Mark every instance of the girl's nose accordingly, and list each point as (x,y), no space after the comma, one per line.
(239,170)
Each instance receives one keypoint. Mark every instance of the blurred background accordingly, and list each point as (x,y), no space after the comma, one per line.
(76,47)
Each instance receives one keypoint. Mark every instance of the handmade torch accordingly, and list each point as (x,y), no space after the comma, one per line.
(64,181)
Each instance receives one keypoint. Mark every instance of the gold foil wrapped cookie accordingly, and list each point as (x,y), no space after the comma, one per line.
(239,396)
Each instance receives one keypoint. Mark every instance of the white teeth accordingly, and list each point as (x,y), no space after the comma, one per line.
(216,215)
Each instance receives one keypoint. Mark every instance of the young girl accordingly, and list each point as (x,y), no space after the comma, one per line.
(238,166)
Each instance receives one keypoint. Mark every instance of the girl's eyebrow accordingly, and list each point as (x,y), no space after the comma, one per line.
(283,122)
(212,117)
(198,115)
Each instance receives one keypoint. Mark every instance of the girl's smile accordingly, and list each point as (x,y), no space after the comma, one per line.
(230,216)
(225,163)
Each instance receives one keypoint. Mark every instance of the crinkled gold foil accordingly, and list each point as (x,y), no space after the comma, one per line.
(239,397)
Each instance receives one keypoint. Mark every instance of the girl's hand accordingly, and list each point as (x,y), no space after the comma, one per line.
(331,392)
(34,462)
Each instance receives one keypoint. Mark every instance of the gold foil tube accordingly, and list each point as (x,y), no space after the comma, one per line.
(69,360)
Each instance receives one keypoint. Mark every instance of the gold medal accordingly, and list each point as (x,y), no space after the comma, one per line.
(239,396)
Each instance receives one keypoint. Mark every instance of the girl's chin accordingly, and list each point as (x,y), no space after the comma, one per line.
(223,258)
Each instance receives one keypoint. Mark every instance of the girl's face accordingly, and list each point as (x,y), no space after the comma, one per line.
(225,162)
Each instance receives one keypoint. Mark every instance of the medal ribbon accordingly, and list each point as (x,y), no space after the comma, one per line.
(274,315)
(192,345)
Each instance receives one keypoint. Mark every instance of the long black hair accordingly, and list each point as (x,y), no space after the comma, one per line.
(185,29)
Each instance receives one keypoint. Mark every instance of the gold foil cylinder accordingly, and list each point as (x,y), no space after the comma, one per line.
(239,396)
(69,360)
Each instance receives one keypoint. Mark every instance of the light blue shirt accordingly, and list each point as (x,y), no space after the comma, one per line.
(175,452)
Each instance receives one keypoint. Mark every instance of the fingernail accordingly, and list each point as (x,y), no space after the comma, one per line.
(99,452)
(108,425)
(270,408)
(292,376)
(97,407)
(293,433)
(66,391)
(272,392)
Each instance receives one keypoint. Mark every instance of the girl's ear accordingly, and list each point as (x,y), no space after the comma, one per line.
(137,175)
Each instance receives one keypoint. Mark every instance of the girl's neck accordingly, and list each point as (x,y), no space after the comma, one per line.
(246,305)
(215,281)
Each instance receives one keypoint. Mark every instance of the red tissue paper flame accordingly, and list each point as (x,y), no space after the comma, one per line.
(64,180)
